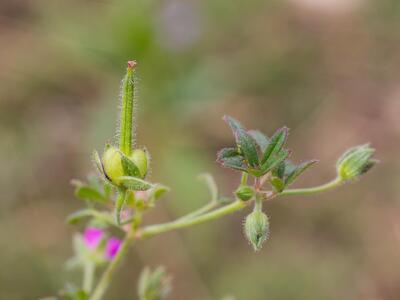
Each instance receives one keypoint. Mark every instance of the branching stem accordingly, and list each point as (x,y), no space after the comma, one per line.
(200,216)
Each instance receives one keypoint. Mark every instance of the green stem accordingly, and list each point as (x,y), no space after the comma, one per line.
(107,276)
(88,276)
(126,118)
(243,180)
(182,223)
(202,210)
(313,190)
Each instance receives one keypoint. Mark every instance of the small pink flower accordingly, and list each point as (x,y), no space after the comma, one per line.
(92,237)
(112,247)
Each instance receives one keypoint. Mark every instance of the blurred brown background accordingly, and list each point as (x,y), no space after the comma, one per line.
(327,69)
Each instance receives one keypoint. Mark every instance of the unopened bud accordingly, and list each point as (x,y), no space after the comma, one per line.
(154,285)
(244,192)
(112,164)
(355,162)
(256,228)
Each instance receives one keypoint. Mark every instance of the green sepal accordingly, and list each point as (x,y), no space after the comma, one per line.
(130,169)
(298,170)
(246,144)
(277,183)
(276,144)
(261,139)
(134,183)
(97,162)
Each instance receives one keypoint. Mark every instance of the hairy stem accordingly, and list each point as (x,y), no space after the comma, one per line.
(202,210)
(313,190)
(182,223)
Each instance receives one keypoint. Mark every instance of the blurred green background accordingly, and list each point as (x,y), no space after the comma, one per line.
(327,69)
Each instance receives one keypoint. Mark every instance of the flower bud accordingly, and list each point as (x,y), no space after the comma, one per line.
(355,162)
(112,164)
(139,157)
(244,192)
(154,285)
(256,228)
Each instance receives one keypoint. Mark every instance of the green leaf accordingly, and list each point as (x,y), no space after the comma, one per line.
(234,162)
(83,213)
(275,160)
(233,124)
(260,138)
(208,179)
(248,147)
(277,183)
(77,216)
(276,144)
(89,193)
(298,170)
(156,192)
(226,153)
(244,141)
(130,169)
(134,183)
(279,171)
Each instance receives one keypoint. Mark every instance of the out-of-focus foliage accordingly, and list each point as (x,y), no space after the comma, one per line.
(328,71)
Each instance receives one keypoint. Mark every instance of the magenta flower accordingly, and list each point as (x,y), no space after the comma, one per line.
(92,237)
(112,247)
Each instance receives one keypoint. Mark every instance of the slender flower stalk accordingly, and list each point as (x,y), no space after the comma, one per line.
(313,190)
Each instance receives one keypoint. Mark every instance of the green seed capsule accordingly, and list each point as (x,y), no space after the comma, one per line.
(112,165)
(139,158)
